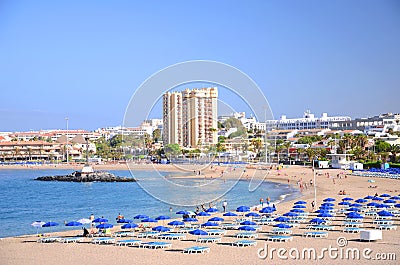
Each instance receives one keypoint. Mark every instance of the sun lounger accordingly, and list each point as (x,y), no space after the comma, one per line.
(128,242)
(387,227)
(196,249)
(383,222)
(184,230)
(320,227)
(155,245)
(277,238)
(124,234)
(283,231)
(171,236)
(49,239)
(208,239)
(354,220)
(103,240)
(266,222)
(316,234)
(244,243)
(152,234)
(247,235)
(230,226)
(70,239)
(352,229)
(216,232)
(352,224)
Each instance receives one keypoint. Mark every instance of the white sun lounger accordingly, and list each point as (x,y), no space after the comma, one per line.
(70,239)
(244,243)
(216,232)
(49,239)
(171,236)
(103,240)
(316,234)
(128,242)
(247,235)
(387,227)
(124,233)
(352,229)
(281,231)
(152,234)
(209,239)
(196,249)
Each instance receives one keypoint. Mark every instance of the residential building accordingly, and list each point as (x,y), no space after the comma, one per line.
(190,117)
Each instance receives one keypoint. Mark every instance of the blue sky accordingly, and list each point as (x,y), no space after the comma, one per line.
(84,59)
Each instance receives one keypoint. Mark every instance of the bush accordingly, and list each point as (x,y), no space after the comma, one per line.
(372,164)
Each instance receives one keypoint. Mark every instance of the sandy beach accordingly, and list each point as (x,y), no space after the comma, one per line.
(25,249)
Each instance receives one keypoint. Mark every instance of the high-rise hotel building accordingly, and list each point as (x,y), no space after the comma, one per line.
(190,117)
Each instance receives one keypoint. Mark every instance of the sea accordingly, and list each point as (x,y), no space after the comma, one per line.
(24,200)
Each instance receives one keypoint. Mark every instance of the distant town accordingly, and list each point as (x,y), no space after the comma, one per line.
(190,129)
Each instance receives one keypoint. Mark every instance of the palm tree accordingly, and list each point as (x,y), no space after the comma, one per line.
(257,145)
(394,149)
(287,145)
(310,153)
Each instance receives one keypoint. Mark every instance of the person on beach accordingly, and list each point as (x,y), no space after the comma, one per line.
(313,205)
(262,202)
(224,204)
(268,200)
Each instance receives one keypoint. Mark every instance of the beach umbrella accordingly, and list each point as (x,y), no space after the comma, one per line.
(104,226)
(203,214)
(344,203)
(322,211)
(124,221)
(149,220)
(297,211)
(395,198)
(329,200)
(324,215)
(372,204)
(212,210)
(300,202)
(389,201)
(49,224)
(299,206)
(140,216)
(266,210)
(347,199)
(327,204)
(385,195)
(84,221)
(382,206)
(216,219)
(210,224)
(176,223)
(198,232)
(190,219)
(290,214)
(247,222)
(377,198)
(252,214)
(247,228)
(397,205)
(161,228)
(163,217)
(73,223)
(243,209)
(37,224)
(229,214)
(355,205)
(182,212)
(281,219)
(369,197)
(354,215)
(385,213)
(317,221)
(282,226)
(129,226)
(326,208)
(361,200)
(354,209)
(100,220)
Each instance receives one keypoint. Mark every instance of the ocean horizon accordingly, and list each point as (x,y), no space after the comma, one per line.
(24,200)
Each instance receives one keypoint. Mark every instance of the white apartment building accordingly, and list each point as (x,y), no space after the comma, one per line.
(190,117)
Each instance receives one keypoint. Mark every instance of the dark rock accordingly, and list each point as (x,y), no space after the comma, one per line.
(78,176)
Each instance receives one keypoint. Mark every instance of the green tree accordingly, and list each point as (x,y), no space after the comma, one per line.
(156,135)
(382,146)
(172,150)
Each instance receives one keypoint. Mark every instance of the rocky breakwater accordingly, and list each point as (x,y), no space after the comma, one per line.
(78,176)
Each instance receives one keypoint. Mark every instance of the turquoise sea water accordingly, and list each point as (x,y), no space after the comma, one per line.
(24,200)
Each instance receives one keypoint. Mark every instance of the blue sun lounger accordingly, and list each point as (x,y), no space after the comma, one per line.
(196,249)
(244,243)
(279,238)
(152,234)
(352,229)
(124,233)
(155,245)
(128,242)
(171,236)
(279,231)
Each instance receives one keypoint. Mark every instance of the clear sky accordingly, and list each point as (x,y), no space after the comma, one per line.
(84,59)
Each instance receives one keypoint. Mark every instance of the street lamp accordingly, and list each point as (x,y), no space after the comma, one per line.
(315,183)
(66,120)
